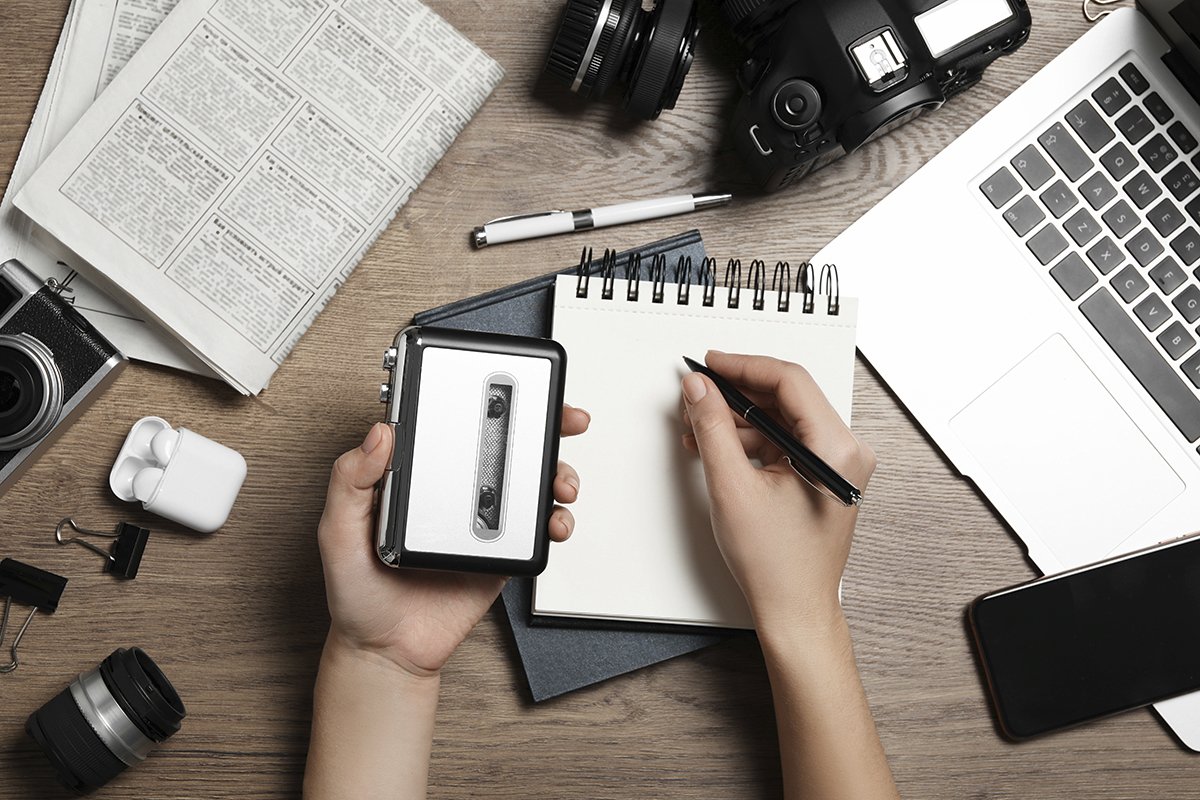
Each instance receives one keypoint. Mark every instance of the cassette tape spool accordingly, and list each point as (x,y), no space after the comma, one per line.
(495,436)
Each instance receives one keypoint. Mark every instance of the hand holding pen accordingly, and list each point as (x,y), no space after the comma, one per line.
(785,543)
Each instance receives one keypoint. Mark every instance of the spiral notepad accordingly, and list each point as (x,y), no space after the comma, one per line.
(643,550)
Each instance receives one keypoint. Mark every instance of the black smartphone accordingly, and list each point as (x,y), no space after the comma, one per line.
(1094,641)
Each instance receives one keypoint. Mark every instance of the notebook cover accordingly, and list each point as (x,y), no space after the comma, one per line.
(560,659)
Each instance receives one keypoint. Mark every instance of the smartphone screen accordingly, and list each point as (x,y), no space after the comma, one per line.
(1092,642)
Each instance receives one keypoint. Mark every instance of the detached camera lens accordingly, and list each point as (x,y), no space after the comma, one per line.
(107,720)
(603,42)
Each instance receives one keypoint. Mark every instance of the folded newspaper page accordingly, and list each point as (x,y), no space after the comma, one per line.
(239,167)
(98,37)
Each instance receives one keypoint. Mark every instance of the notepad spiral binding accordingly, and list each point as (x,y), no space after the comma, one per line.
(826,284)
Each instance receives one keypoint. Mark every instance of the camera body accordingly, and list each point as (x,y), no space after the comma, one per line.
(825,77)
(52,361)
(476,418)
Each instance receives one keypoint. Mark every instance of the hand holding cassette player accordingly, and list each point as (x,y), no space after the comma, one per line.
(413,618)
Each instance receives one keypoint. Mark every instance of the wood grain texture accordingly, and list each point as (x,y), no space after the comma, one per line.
(237,618)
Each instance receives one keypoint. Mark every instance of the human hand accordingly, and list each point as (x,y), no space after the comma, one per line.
(785,543)
(413,619)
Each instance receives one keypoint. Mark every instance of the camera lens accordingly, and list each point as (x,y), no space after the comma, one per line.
(31,391)
(751,21)
(10,391)
(107,720)
(602,42)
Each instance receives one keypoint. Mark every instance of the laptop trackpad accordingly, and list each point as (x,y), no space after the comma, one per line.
(1066,455)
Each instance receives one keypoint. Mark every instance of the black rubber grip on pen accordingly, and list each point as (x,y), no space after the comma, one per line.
(803,459)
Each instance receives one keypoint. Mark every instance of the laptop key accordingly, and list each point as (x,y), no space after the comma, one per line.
(1142,189)
(1181,181)
(1059,199)
(1153,312)
(1146,363)
(1188,303)
(1073,276)
(1176,341)
(1118,161)
(1121,219)
(1046,244)
(1023,215)
(1158,153)
(1032,167)
(1187,246)
(1182,137)
(1165,217)
(1191,368)
(1168,275)
(1134,79)
(1135,125)
(1158,108)
(1000,188)
(1082,227)
(1090,126)
(1105,255)
(1144,246)
(1062,148)
(1111,96)
(1129,283)
(1097,190)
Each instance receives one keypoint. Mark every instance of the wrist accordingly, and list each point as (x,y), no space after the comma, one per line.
(343,652)
(804,628)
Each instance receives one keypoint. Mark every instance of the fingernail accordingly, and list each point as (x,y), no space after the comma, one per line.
(573,482)
(374,437)
(694,388)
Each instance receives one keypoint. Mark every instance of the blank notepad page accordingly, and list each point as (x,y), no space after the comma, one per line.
(643,548)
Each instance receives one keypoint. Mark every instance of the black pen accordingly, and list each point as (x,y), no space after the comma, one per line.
(805,462)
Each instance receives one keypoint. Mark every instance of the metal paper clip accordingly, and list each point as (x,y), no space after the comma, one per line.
(123,558)
(27,586)
(1096,16)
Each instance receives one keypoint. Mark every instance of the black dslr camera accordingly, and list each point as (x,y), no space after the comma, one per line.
(823,77)
(51,362)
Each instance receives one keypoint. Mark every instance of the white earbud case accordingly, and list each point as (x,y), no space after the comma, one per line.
(178,474)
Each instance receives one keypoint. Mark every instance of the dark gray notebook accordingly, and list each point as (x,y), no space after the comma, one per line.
(560,659)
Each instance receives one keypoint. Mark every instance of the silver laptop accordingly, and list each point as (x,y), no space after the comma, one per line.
(1033,296)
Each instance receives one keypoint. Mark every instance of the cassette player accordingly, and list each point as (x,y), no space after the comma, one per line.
(476,418)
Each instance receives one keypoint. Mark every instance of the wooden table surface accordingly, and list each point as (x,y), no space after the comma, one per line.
(237,618)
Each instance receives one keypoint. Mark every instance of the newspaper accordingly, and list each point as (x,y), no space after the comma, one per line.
(238,168)
(92,28)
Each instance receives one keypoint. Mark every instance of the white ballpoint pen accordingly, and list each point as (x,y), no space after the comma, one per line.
(550,223)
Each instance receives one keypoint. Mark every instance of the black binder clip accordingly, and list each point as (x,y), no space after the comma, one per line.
(26,586)
(123,558)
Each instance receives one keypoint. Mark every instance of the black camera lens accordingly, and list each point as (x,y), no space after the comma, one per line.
(602,42)
(22,395)
(107,720)
(751,21)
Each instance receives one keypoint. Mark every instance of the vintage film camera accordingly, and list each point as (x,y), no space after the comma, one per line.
(52,361)
(476,418)
(823,76)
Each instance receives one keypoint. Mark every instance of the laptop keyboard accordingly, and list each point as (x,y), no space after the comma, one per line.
(1107,199)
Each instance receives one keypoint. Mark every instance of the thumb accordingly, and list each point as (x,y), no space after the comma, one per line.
(350,503)
(720,449)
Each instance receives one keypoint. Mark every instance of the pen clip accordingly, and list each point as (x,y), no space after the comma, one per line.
(855,496)
(516,217)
